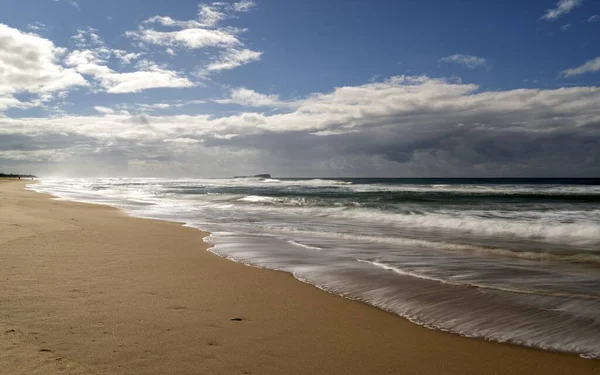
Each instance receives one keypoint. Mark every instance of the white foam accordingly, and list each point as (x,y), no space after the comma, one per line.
(402,272)
(581,232)
(406,273)
(295,243)
(258,199)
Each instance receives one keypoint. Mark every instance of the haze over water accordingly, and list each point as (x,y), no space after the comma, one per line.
(511,260)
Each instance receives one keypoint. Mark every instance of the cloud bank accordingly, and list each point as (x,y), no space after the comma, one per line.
(403,126)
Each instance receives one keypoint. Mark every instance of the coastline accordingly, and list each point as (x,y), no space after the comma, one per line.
(108,293)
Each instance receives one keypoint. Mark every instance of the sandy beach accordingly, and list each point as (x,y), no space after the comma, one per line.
(85,289)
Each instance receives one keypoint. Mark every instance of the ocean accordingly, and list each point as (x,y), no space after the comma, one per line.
(508,260)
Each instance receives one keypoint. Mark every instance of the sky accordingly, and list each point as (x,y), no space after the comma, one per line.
(338,88)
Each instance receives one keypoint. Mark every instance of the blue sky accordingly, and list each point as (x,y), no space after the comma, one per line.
(248,74)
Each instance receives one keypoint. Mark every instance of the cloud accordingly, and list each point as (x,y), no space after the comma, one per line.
(212,14)
(232,58)
(203,33)
(405,125)
(89,40)
(87,37)
(192,38)
(468,61)
(566,27)
(149,76)
(9,101)
(594,18)
(93,59)
(32,64)
(562,7)
(243,6)
(104,110)
(37,26)
(169,22)
(590,66)
(168,104)
(250,98)
(72,3)
(126,57)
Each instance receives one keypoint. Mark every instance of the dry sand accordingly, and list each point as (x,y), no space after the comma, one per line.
(86,289)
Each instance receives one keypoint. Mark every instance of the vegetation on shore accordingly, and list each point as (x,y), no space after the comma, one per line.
(11,175)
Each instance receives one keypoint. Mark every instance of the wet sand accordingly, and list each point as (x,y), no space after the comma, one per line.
(85,289)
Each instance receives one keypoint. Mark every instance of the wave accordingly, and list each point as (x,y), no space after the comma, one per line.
(578,227)
(258,199)
(402,272)
(580,230)
(291,242)
(580,257)
(407,273)
(524,191)
(580,233)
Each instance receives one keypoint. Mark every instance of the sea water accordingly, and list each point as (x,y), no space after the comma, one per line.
(509,260)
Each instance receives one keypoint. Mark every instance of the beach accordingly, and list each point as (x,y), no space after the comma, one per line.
(87,289)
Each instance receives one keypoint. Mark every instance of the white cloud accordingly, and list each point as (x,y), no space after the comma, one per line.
(93,62)
(211,15)
(167,104)
(87,37)
(9,101)
(250,98)
(562,7)
(168,21)
(203,33)
(232,58)
(72,3)
(104,110)
(80,57)
(181,140)
(594,18)
(192,38)
(468,61)
(126,57)
(566,27)
(149,76)
(161,105)
(37,26)
(117,83)
(590,66)
(32,64)
(243,6)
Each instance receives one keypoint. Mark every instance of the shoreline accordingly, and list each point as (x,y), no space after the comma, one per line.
(107,313)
